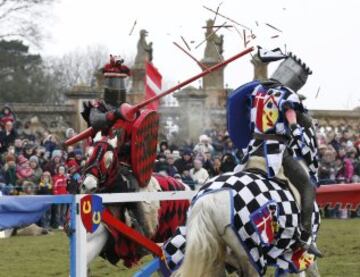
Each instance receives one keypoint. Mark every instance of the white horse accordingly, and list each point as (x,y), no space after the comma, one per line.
(211,239)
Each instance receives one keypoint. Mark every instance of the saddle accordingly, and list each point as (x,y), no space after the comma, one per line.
(257,165)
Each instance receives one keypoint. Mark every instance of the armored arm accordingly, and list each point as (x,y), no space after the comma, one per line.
(304,140)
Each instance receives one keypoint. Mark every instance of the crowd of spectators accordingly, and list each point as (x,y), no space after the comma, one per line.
(339,156)
(36,163)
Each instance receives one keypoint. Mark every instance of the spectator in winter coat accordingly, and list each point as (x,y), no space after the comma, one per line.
(345,171)
(327,168)
(204,145)
(208,164)
(45,188)
(6,115)
(37,171)
(7,136)
(18,146)
(28,150)
(199,174)
(217,166)
(185,162)
(163,146)
(59,188)
(50,143)
(10,173)
(161,166)
(23,170)
(54,163)
(74,177)
(186,178)
(228,163)
(171,169)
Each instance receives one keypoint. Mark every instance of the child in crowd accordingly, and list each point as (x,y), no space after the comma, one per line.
(45,188)
(59,188)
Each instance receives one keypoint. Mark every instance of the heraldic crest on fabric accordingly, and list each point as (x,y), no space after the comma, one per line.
(265,218)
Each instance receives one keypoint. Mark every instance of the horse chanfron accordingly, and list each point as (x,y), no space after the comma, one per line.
(89,184)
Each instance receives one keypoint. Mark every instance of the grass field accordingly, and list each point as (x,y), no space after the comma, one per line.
(48,255)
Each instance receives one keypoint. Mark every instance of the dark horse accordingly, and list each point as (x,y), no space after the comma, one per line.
(156,220)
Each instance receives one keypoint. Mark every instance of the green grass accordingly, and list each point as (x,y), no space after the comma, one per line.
(339,240)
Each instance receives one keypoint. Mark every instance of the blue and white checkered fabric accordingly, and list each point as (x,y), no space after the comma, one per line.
(250,193)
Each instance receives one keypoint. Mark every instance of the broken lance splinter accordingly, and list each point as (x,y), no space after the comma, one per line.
(129,111)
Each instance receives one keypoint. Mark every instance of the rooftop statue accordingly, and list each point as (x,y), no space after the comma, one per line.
(214,44)
(144,50)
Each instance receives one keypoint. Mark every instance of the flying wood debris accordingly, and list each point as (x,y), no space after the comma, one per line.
(252,36)
(245,40)
(317,93)
(216,26)
(223,16)
(273,27)
(212,33)
(216,13)
(202,66)
(186,44)
(132,29)
(276,36)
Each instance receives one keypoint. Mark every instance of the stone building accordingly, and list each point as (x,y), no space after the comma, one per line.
(41,117)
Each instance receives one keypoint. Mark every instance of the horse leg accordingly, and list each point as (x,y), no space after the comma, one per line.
(96,242)
(238,256)
(205,250)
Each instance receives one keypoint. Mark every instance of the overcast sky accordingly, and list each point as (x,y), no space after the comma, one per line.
(325,34)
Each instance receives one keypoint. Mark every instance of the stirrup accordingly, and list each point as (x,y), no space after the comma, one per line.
(305,241)
(315,251)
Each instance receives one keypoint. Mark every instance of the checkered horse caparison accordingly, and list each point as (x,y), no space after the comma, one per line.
(264,216)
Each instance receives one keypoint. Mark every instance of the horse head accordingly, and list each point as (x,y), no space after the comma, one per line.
(101,165)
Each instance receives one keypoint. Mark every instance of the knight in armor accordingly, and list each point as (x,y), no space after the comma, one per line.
(278,119)
(101,114)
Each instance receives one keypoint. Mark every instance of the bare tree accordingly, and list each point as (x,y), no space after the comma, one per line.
(22,19)
(78,67)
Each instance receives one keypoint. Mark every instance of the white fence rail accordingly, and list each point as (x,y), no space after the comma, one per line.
(80,232)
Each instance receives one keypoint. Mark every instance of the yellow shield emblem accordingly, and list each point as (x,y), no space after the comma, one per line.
(270,114)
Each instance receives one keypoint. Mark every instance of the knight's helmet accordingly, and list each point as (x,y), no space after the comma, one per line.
(115,75)
(292,72)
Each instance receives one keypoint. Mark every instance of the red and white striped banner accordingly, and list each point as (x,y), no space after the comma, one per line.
(152,84)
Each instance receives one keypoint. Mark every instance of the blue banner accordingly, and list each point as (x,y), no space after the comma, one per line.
(17,211)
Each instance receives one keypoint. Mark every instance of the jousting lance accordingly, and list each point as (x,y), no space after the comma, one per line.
(129,111)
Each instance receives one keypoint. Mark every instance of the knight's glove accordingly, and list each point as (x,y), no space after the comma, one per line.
(295,131)
(114,115)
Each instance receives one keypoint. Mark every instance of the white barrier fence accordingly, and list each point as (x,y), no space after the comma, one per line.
(78,239)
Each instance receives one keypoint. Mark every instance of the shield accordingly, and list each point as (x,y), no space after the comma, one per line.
(238,114)
(144,135)
(267,112)
(91,210)
(263,220)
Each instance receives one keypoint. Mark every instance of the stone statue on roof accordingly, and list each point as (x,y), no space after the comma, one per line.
(144,50)
(214,44)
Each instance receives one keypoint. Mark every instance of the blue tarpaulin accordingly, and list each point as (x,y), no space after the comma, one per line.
(17,211)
